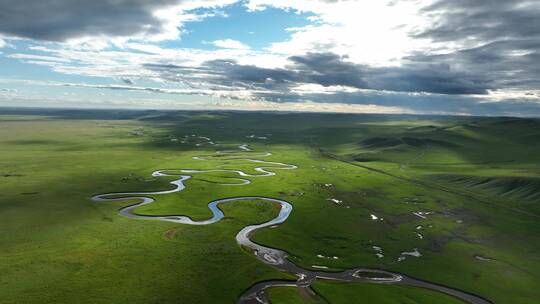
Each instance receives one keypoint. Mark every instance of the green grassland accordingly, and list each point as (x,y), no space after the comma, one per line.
(476,179)
(382,294)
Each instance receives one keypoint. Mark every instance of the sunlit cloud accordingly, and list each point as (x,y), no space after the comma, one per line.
(230,44)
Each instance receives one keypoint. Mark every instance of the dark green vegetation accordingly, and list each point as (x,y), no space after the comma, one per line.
(473,183)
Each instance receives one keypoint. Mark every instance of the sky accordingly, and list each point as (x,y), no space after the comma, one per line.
(455,57)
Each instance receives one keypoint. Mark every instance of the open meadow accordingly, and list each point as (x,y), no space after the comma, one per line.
(453,201)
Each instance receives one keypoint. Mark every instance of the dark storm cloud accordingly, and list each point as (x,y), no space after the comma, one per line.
(58,20)
(430,78)
(503,38)
(328,69)
(504,64)
(483,20)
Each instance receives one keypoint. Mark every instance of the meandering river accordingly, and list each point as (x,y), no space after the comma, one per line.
(272,256)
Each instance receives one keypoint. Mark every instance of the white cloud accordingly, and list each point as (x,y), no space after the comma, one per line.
(174,18)
(509,94)
(38,58)
(369,32)
(128,61)
(308,106)
(230,44)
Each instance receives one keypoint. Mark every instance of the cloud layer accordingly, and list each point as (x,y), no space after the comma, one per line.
(464,57)
(326,69)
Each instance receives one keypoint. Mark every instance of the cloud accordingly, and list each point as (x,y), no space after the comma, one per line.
(38,58)
(498,40)
(449,57)
(327,69)
(417,87)
(61,20)
(215,93)
(127,81)
(369,101)
(504,64)
(482,21)
(369,32)
(464,47)
(128,88)
(230,44)
(417,103)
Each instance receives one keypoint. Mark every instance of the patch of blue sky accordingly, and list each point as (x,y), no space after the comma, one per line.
(257,29)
